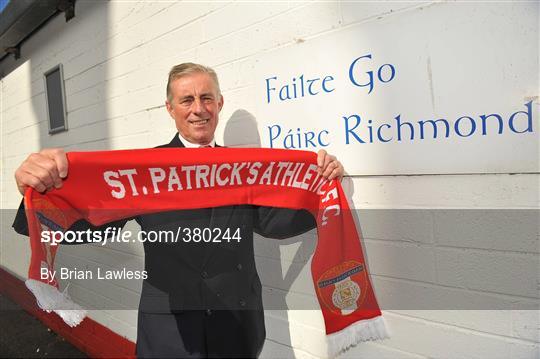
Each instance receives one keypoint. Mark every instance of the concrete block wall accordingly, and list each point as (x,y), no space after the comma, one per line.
(454,258)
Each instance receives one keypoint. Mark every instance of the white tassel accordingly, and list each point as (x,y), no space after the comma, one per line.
(51,299)
(361,331)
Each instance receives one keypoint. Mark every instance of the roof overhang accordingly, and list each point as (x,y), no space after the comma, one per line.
(21,18)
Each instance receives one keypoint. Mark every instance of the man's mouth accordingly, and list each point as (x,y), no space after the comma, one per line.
(199,122)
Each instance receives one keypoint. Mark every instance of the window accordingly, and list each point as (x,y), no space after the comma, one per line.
(56,103)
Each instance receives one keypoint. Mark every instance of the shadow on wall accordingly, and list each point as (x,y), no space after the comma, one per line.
(81,46)
(241,130)
(85,71)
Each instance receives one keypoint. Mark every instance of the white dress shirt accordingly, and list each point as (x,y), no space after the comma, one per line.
(195,145)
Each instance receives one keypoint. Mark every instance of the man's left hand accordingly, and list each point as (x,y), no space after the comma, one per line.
(329,166)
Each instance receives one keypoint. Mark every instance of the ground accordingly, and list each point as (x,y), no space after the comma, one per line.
(24,336)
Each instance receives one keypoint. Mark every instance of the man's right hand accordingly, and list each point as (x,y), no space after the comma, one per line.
(42,171)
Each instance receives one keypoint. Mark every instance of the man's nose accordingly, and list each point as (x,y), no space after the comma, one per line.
(198,106)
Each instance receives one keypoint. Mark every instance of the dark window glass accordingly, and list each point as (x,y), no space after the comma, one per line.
(55,100)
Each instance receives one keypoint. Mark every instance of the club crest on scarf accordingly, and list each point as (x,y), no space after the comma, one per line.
(343,288)
(53,220)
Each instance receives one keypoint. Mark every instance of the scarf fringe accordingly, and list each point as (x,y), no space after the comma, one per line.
(361,331)
(51,299)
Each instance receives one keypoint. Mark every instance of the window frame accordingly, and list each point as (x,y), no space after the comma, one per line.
(63,128)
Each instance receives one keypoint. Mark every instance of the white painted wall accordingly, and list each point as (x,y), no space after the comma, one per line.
(434,242)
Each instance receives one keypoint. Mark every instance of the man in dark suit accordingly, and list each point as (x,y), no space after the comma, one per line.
(200,299)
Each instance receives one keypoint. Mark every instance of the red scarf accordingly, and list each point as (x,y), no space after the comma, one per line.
(134,182)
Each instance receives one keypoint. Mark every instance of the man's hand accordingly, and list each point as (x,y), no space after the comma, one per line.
(42,171)
(329,166)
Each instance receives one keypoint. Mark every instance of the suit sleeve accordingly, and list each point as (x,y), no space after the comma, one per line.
(280,223)
(20,224)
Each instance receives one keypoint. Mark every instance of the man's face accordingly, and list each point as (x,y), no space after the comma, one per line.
(195,107)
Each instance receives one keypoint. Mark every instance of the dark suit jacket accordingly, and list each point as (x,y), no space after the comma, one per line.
(204,299)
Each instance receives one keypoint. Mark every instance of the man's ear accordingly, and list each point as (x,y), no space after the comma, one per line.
(169,107)
(220,103)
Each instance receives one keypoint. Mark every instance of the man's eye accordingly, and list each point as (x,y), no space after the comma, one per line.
(186,101)
(208,99)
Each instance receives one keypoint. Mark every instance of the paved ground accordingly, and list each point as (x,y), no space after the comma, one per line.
(23,336)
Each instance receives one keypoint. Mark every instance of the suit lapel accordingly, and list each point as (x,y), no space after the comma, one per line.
(175,142)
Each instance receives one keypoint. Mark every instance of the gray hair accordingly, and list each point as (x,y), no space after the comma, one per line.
(188,68)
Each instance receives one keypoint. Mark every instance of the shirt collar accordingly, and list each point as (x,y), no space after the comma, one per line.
(188,144)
